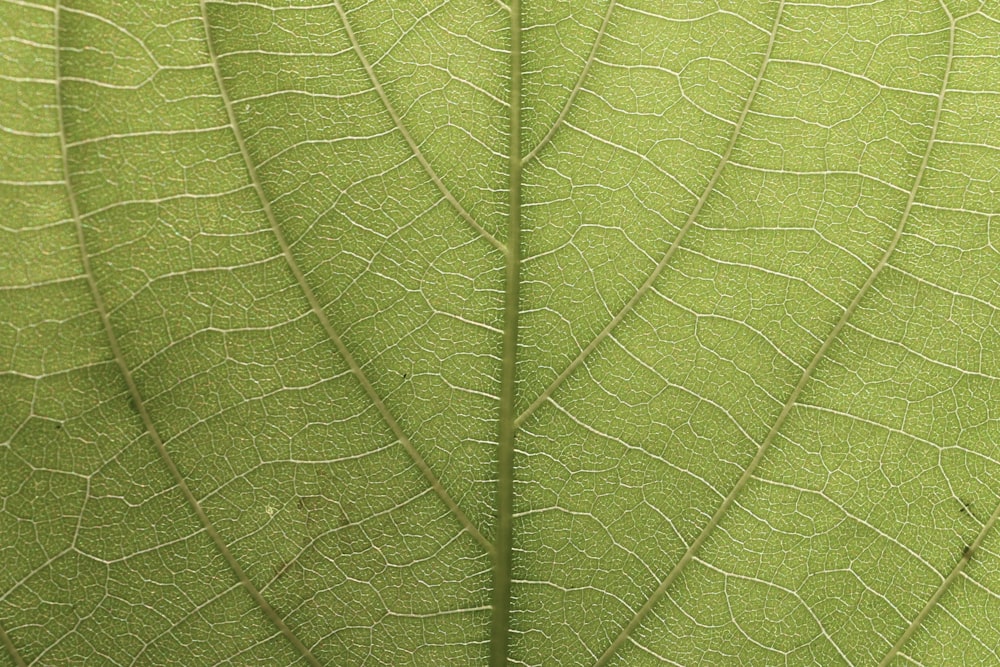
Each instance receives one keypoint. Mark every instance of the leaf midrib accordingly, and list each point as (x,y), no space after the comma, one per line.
(507,427)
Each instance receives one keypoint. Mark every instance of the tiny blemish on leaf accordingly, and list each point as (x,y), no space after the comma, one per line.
(965,507)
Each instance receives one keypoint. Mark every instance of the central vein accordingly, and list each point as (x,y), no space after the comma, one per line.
(500,624)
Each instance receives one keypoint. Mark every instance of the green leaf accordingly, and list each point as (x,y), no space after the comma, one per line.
(447,332)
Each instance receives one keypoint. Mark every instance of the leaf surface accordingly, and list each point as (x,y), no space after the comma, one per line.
(453,332)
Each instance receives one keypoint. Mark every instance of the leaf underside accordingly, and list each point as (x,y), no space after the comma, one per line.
(455,332)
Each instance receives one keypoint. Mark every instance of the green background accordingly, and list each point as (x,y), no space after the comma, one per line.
(252,280)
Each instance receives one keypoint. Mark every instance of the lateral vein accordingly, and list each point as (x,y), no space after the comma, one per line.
(969,551)
(11,649)
(133,388)
(790,403)
(417,153)
(647,284)
(324,321)
(576,87)
(641,614)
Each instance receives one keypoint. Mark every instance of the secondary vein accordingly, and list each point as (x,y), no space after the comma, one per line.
(133,388)
(398,121)
(576,87)
(969,549)
(647,285)
(11,649)
(320,314)
(792,400)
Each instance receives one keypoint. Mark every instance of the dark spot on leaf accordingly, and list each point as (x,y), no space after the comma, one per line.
(965,507)
(286,567)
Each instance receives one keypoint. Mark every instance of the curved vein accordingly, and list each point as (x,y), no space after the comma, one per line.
(398,121)
(793,399)
(136,395)
(970,549)
(967,554)
(317,308)
(647,285)
(576,88)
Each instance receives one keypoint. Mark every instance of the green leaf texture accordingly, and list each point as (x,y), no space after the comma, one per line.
(457,332)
